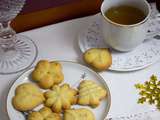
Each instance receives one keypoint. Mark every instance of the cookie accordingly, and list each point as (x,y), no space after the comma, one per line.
(46,73)
(60,97)
(78,114)
(90,93)
(27,96)
(98,58)
(44,114)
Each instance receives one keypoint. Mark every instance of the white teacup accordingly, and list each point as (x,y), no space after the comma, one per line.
(125,37)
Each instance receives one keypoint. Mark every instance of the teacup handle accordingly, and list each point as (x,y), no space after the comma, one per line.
(154,27)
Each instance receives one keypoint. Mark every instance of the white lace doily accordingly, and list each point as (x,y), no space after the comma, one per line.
(144,55)
(150,115)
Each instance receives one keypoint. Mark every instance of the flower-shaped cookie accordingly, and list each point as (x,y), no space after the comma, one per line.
(27,96)
(90,93)
(98,58)
(60,97)
(44,114)
(47,73)
(78,114)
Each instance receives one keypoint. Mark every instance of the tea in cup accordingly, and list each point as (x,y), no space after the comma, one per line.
(124,23)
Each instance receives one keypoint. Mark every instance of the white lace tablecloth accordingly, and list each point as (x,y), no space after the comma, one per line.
(59,42)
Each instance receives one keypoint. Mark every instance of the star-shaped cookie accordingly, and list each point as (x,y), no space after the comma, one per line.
(60,97)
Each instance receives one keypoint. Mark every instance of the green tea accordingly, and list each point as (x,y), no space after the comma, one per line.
(124,14)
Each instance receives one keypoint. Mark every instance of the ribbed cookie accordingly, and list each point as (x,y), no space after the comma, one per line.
(90,93)
(78,114)
(60,97)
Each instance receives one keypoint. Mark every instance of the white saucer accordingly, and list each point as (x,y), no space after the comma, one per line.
(141,57)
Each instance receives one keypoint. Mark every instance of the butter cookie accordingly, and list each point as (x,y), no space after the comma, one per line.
(27,96)
(78,114)
(46,73)
(98,58)
(90,93)
(60,97)
(44,114)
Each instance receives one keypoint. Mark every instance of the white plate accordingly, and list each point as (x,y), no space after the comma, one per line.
(73,74)
(144,55)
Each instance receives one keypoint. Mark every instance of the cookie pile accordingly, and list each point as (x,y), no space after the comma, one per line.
(57,99)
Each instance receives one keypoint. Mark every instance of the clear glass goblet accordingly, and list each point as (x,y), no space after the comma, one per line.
(17,52)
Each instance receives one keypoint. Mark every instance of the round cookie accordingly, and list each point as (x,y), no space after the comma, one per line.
(98,58)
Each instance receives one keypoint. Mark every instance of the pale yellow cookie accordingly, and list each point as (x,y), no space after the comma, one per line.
(27,96)
(78,114)
(46,73)
(98,58)
(90,93)
(44,114)
(60,97)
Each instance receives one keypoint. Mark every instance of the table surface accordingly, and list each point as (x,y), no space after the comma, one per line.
(60,42)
